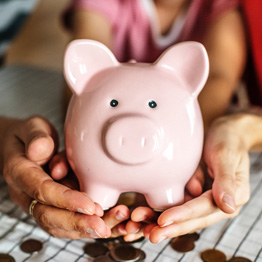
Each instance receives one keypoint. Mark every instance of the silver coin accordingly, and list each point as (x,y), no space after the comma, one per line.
(6,258)
(125,253)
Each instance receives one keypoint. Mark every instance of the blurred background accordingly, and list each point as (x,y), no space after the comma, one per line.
(32,33)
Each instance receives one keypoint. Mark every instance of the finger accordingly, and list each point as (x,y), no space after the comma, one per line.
(189,210)
(40,139)
(118,230)
(159,234)
(144,214)
(58,166)
(196,183)
(148,229)
(116,215)
(133,227)
(51,217)
(223,165)
(46,191)
(133,237)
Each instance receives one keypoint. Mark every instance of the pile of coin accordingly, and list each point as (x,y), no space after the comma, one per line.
(112,251)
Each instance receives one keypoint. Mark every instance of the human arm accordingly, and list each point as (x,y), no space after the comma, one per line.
(226,46)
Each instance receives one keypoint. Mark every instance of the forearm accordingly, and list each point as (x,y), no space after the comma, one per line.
(251,128)
(215,98)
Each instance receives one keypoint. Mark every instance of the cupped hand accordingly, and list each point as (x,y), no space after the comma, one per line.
(227,160)
(115,218)
(61,211)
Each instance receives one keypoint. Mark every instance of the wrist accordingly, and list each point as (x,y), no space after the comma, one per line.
(250,127)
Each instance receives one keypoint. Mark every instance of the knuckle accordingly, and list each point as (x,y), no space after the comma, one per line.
(79,223)
(40,193)
(42,219)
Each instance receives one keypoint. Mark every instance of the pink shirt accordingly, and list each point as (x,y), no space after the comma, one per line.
(135,26)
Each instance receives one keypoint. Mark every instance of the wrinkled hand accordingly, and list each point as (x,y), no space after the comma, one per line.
(61,211)
(114,218)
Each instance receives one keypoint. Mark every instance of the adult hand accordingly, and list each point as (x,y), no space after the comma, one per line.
(226,155)
(61,211)
(114,218)
(144,219)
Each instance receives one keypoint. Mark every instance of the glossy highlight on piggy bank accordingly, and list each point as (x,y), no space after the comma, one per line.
(134,127)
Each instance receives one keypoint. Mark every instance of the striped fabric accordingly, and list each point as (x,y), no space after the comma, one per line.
(13,14)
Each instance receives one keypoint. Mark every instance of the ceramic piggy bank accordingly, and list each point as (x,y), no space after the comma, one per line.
(134,127)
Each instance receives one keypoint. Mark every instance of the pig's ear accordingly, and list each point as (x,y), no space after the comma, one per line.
(83,59)
(189,61)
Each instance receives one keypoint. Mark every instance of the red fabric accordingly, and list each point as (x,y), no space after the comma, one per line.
(253,14)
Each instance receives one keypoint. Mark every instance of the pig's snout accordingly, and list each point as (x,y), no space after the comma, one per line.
(132,139)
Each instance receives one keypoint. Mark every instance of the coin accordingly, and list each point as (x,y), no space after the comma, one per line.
(106,258)
(6,258)
(31,246)
(95,249)
(182,244)
(194,236)
(239,259)
(121,253)
(142,255)
(213,255)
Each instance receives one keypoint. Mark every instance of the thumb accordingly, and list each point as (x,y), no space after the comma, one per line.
(40,139)
(222,167)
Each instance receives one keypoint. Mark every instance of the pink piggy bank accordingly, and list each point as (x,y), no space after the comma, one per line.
(134,127)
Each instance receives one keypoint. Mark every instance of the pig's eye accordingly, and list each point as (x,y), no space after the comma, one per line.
(152,104)
(113,103)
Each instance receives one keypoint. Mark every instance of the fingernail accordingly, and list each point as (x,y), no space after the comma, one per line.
(228,200)
(167,223)
(162,238)
(120,216)
(122,231)
(93,233)
(85,211)
(130,237)
(137,230)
